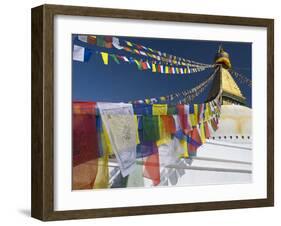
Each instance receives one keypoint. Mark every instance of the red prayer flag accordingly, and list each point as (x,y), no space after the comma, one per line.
(182,118)
(152,168)
(170,70)
(194,134)
(159,68)
(84,134)
(144,65)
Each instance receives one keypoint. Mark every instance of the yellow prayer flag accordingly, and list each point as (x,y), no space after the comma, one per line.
(102,178)
(202,133)
(129,43)
(137,132)
(184,146)
(159,109)
(106,141)
(165,137)
(147,101)
(196,112)
(104,57)
(153,68)
(163,98)
(192,119)
(167,70)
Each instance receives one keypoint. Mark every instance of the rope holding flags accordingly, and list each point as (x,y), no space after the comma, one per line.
(182,97)
(133,48)
(241,78)
(83,54)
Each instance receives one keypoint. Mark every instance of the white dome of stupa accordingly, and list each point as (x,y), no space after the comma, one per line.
(235,124)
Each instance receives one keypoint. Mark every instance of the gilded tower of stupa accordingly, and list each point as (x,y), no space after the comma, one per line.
(224,82)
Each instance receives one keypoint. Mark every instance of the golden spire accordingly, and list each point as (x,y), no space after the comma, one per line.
(231,93)
(222,58)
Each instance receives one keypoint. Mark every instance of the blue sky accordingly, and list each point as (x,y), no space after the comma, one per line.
(94,81)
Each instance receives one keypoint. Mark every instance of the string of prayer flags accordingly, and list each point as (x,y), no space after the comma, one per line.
(183,97)
(91,39)
(241,78)
(83,54)
(159,55)
(130,132)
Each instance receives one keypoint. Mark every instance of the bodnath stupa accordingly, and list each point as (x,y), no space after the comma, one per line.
(227,156)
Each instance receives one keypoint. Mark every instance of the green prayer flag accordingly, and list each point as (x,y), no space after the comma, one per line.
(114,57)
(172,110)
(150,128)
(100,41)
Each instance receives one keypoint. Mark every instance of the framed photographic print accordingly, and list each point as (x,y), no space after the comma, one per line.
(141,112)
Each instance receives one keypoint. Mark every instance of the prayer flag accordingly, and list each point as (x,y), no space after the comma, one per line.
(129,43)
(121,128)
(114,57)
(164,136)
(107,41)
(148,65)
(207,131)
(153,68)
(100,41)
(104,57)
(152,168)
(159,68)
(143,65)
(84,175)
(145,149)
(182,117)
(202,133)
(169,123)
(162,68)
(92,39)
(125,59)
(138,64)
(136,51)
(159,109)
(116,43)
(82,38)
(142,53)
(170,70)
(85,139)
(81,54)
(136,177)
(184,146)
(166,70)
(150,128)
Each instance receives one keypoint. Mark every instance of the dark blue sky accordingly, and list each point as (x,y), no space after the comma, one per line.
(94,81)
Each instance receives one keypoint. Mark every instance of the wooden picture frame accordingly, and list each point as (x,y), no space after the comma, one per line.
(42,203)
